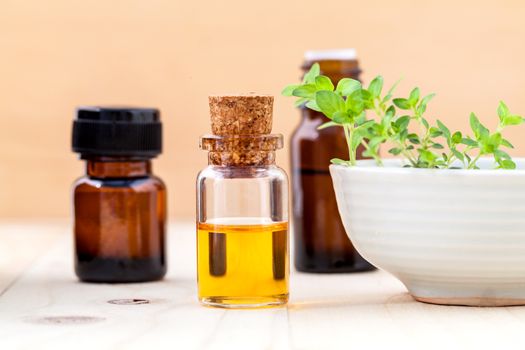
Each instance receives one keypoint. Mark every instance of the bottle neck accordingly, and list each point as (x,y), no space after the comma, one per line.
(241,150)
(253,158)
(336,69)
(117,167)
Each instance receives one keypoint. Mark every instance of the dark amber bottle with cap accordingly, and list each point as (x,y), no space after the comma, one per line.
(242,208)
(320,241)
(119,205)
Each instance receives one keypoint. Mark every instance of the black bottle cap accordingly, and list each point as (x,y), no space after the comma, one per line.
(117,131)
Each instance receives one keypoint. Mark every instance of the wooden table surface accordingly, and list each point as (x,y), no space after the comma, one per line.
(43,306)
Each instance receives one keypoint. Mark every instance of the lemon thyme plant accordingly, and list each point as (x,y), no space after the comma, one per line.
(402,123)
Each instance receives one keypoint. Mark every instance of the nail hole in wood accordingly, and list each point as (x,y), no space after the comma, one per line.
(129,301)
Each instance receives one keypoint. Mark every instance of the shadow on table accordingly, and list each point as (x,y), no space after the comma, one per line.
(351,301)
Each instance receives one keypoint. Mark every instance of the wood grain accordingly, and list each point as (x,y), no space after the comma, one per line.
(45,307)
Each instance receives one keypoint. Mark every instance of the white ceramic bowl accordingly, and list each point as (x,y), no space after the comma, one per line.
(451,236)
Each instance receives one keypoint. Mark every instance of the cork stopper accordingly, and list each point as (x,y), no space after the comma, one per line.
(241,127)
(241,115)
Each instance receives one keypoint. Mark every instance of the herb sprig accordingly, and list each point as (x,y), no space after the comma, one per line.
(401,123)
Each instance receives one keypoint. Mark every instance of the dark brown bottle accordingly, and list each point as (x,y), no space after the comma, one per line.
(119,206)
(321,244)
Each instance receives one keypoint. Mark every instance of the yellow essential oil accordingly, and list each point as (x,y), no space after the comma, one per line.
(242,265)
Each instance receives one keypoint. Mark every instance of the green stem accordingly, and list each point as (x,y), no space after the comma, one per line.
(376,157)
(426,138)
(451,157)
(409,157)
(380,112)
(474,161)
(407,154)
(348,135)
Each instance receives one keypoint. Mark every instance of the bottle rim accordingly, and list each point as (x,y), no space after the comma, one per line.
(332,54)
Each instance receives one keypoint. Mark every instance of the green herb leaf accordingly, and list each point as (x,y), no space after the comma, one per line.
(503,110)
(499,154)
(313,105)
(309,78)
(364,125)
(390,112)
(492,143)
(376,86)
(307,91)
(356,139)
(288,91)
(458,154)
(427,156)
(457,137)
(329,102)
(300,102)
(360,119)
(339,161)
(435,132)
(443,129)
(474,122)
(323,83)
(341,117)
(511,120)
(358,101)
(402,103)
(422,107)
(402,122)
(327,125)
(507,164)
(395,151)
(414,97)
(425,123)
(387,119)
(346,86)
(480,131)
(413,138)
(469,142)
(506,143)
(375,141)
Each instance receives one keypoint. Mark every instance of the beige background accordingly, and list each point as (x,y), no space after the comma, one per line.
(57,54)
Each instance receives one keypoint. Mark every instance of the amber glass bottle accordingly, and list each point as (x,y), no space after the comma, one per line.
(320,241)
(119,206)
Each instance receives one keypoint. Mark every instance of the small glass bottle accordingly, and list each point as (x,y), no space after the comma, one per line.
(119,206)
(320,241)
(242,208)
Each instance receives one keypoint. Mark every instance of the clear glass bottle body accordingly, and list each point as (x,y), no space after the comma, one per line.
(119,222)
(242,236)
